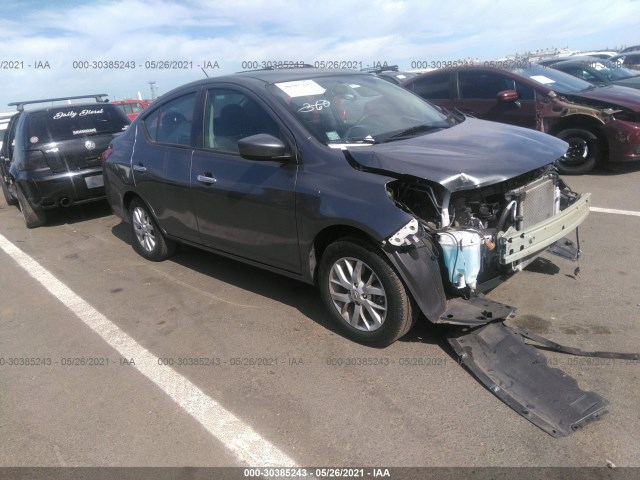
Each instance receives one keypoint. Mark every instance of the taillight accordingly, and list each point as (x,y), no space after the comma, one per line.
(106,154)
(33,160)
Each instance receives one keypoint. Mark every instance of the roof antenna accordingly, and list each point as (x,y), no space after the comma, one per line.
(205,72)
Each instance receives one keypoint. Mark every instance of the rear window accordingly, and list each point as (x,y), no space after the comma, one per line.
(63,123)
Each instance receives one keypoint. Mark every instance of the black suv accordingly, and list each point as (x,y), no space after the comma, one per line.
(50,157)
(344,180)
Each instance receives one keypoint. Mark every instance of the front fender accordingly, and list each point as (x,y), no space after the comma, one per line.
(418,266)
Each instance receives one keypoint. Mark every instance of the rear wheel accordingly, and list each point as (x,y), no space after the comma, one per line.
(582,155)
(33,216)
(364,294)
(148,239)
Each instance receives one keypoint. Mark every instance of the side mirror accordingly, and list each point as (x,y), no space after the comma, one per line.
(262,147)
(507,96)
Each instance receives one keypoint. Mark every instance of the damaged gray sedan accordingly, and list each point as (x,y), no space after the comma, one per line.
(391,207)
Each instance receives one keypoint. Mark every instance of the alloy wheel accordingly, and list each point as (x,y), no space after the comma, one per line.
(358,294)
(143,228)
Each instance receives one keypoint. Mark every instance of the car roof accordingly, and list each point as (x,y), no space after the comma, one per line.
(476,68)
(630,49)
(120,102)
(98,97)
(584,62)
(267,76)
(278,75)
(625,54)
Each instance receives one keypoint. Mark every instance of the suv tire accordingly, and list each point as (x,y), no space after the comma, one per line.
(33,216)
(7,194)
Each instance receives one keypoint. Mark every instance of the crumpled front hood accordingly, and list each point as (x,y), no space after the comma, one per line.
(471,154)
(615,95)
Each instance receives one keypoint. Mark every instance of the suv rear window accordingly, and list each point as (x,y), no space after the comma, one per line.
(63,123)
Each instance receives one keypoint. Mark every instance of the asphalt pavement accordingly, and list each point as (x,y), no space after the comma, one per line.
(204,361)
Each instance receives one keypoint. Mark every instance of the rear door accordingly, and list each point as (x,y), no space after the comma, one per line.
(161,164)
(244,207)
(477,92)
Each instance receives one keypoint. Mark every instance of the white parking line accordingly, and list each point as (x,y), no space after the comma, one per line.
(239,438)
(613,210)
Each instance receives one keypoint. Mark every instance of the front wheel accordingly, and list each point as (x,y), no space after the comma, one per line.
(148,239)
(364,294)
(582,155)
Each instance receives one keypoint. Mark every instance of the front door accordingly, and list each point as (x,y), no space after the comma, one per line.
(244,207)
(477,96)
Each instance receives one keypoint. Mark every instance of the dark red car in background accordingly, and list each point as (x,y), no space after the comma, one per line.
(131,108)
(600,123)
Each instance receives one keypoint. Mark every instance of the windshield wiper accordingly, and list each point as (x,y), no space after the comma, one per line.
(413,131)
(368,140)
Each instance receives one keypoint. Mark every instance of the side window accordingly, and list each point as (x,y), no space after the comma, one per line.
(9,139)
(433,87)
(230,116)
(581,73)
(483,85)
(588,76)
(525,92)
(171,122)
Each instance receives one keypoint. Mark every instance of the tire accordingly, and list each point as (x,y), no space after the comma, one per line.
(148,239)
(369,281)
(7,194)
(33,216)
(583,152)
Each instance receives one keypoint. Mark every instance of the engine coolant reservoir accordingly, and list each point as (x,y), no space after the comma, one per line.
(462,256)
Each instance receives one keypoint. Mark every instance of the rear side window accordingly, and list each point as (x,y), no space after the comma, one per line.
(171,123)
(124,108)
(63,123)
(433,87)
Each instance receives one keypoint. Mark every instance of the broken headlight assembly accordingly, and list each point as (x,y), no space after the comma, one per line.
(486,232)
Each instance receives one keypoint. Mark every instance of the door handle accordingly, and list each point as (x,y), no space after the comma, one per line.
(140,168)
(207,178)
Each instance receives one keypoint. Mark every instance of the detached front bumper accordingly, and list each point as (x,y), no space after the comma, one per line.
(517,244)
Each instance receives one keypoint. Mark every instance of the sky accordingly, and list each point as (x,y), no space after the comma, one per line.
(68,47)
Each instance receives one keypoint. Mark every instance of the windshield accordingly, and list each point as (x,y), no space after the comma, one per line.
(557,81)
(358,109)
(613,72)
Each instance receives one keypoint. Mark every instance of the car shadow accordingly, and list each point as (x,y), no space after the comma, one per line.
(544,266)
(616,168)
(77,213)
(303,297)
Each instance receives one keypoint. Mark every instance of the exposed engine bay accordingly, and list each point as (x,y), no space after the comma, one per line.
(477,229)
